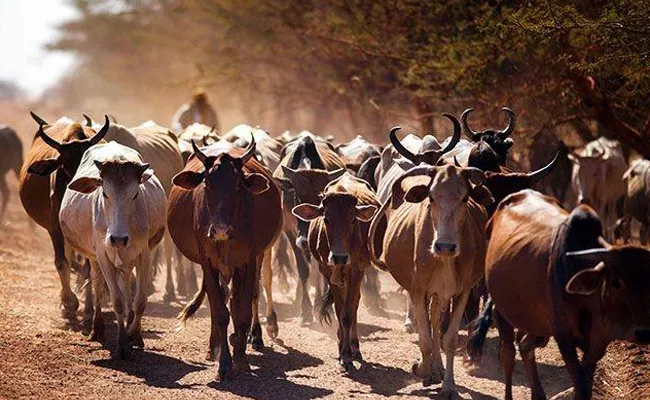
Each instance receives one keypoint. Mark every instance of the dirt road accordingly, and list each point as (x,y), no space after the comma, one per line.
(43,357)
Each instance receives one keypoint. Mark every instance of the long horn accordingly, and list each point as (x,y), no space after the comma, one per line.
(89,121)
(468,131)
(511,123)
(250,150)
(541,173)
(456,163)
(47,139)
(38,119)
(455,138)
(102,132)
(399,146)
(199,154)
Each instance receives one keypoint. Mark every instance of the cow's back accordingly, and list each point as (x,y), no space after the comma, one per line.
(521,233)
(161,152)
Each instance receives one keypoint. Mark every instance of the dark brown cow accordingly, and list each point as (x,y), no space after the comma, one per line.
(338,236)
(52,161)
(550,273)
(307,166)
(12,159)
(224,213)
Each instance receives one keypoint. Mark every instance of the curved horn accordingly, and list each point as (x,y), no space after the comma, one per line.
(102,132)
(38,119)
(456,163)
(541,173)
(468,131)
(48,140)
(455,138)
(511,123)
(250,150)
(399,146)
(89,121)
(199,154)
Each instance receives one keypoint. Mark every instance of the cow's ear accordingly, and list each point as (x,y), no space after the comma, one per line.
(482,195)
(587,281)
(257,183)
(85,184)
(404,164)
(307,212)
(44,167)
(187,180)
(365,213)
(417,193)
(283,183)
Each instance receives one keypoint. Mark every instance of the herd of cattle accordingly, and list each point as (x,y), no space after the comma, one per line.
(448,220)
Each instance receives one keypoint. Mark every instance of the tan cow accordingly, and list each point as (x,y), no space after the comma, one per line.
(434,247)
(113,214)
(338,236)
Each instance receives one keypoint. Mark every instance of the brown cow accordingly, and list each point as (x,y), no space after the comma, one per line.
(543,273)
(12,159)
(434,247)
(338,236)
(224,213)
(52,161)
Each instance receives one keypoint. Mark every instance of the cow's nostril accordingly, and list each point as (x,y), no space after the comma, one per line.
(119,240)
(339,259)
(445,247)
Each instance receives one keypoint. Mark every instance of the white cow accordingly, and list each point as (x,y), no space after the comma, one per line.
(114,213)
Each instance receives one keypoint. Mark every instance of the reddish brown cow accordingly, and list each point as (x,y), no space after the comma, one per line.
(550,273)
(52,161)
(224,213)
(338,237)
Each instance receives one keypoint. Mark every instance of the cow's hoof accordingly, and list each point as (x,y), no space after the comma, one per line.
(240,367)
(210,356)
(96,335)
(356,356)
(347,367)
(449,391)
(305,320)
(224,372)
(272,328)
(137,341)
(256,343)
(122,352)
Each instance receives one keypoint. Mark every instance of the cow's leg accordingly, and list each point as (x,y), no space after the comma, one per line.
(473,304)
(527,350)
(409,319)
(219,317)
(119,306)
(507,351)
(97,281)
(280,257)
(370,289)
(69,302)
(421,312)
(89,310)
(267,280)
(450,342)
(241,300)
(303,265)
(354,294)
(4,192)
(255,337)
(168,247)
(579,376)
(339,301)
(143,270)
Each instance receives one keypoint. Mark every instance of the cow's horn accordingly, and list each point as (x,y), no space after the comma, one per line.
(541,173)
(473,136)
(199,154)
(456,163)
(48,140)
(102,132)
(38,119)
(455,138)
(250,150)
(89,121)
(399,146)
(511,123)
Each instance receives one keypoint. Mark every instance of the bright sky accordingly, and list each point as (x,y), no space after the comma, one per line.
(26,26)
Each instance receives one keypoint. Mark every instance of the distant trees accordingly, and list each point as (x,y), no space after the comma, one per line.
(370,63)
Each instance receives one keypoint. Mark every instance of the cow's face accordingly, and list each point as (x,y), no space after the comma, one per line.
(620,276)
(635,177)
(448,189)
(306,186)
(119,184)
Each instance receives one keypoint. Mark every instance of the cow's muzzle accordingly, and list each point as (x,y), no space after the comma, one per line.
(220,232)
(338,259)
(118,242)
(444,249)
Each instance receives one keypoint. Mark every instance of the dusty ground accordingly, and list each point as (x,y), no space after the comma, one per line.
(43,357)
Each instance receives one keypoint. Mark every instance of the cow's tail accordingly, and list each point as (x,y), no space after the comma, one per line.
(324,306)
(477,332)
(371,237)
(193,306)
